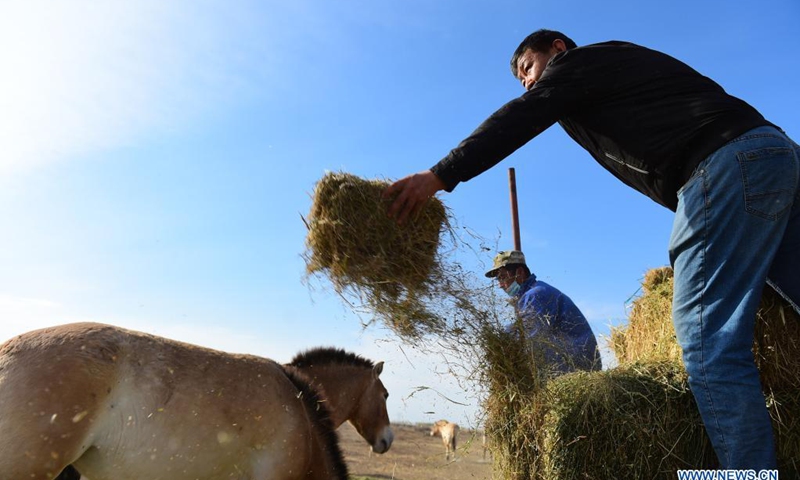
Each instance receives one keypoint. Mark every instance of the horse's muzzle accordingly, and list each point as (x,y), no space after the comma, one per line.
(384,442)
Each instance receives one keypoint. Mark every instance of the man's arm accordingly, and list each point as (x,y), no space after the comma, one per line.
(499,136)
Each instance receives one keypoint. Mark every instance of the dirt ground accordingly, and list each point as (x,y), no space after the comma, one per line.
(415,455)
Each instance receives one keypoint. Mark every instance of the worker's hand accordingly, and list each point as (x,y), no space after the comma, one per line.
(412,193)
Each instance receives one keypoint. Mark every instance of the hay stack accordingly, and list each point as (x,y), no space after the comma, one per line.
(394,270)
(514,406)
(634,421)
(650,336)
(638,420)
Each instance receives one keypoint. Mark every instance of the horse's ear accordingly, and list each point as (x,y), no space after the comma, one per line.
(377,369)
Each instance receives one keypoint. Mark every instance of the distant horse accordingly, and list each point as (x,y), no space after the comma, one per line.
(448,431)
(125,405)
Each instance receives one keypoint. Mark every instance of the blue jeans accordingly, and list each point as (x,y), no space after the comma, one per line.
(737,226)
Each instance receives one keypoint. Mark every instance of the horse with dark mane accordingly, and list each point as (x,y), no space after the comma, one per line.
(123,405)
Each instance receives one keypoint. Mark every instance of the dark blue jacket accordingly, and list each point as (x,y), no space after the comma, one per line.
(557,327)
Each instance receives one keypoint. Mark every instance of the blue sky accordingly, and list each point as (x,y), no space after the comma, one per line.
(156,157)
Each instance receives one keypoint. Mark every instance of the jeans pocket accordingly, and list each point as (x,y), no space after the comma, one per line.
(769,176)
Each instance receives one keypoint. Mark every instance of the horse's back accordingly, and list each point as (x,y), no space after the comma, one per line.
(94,392)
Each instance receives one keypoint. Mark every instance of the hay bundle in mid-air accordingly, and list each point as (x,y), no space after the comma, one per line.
(393,269)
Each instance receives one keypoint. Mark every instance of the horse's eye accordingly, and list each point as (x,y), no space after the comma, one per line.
(386,395)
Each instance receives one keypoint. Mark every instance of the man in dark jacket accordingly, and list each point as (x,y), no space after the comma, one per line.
(730,176)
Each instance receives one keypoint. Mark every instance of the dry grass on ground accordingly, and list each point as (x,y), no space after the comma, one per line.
(415,455)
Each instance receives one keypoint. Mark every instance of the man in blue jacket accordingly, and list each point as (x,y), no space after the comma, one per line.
(558,331)
(731,177)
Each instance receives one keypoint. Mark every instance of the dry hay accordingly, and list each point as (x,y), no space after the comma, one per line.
(513,405)
(634,421)
(638,420)
(650,335)
(394,270)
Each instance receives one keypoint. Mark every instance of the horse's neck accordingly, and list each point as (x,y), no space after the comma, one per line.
(341,387)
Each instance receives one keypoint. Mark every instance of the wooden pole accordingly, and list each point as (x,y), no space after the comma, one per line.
(512,186)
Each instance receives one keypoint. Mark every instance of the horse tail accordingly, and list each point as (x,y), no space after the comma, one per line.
(315,406)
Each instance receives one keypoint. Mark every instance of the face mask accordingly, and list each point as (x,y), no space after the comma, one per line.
(513,289)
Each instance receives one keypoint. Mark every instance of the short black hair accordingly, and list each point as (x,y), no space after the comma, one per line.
(539,41)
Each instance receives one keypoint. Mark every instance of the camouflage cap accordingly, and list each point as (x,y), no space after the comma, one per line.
(507,257)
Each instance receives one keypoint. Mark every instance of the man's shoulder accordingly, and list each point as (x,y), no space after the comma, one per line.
(544,292)
(607,51)
(611,44)
(541,292)
(579,63)
(544,287)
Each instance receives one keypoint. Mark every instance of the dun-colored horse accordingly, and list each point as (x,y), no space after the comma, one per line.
(124,405)
(448,431)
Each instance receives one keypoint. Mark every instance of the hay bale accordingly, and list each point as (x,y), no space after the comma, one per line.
(514,409)
(777,343)
(649,335)
(394,270)
(635,421)
(640,421)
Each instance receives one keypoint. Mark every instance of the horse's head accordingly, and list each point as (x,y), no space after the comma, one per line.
(370,417)
(353,391)
(436,428)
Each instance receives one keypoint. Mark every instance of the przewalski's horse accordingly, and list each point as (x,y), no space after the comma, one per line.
(125,405)
(448,431)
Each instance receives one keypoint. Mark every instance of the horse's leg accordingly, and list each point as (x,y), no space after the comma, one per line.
(35,446)
(46,415)
(69,473)
(41,446)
